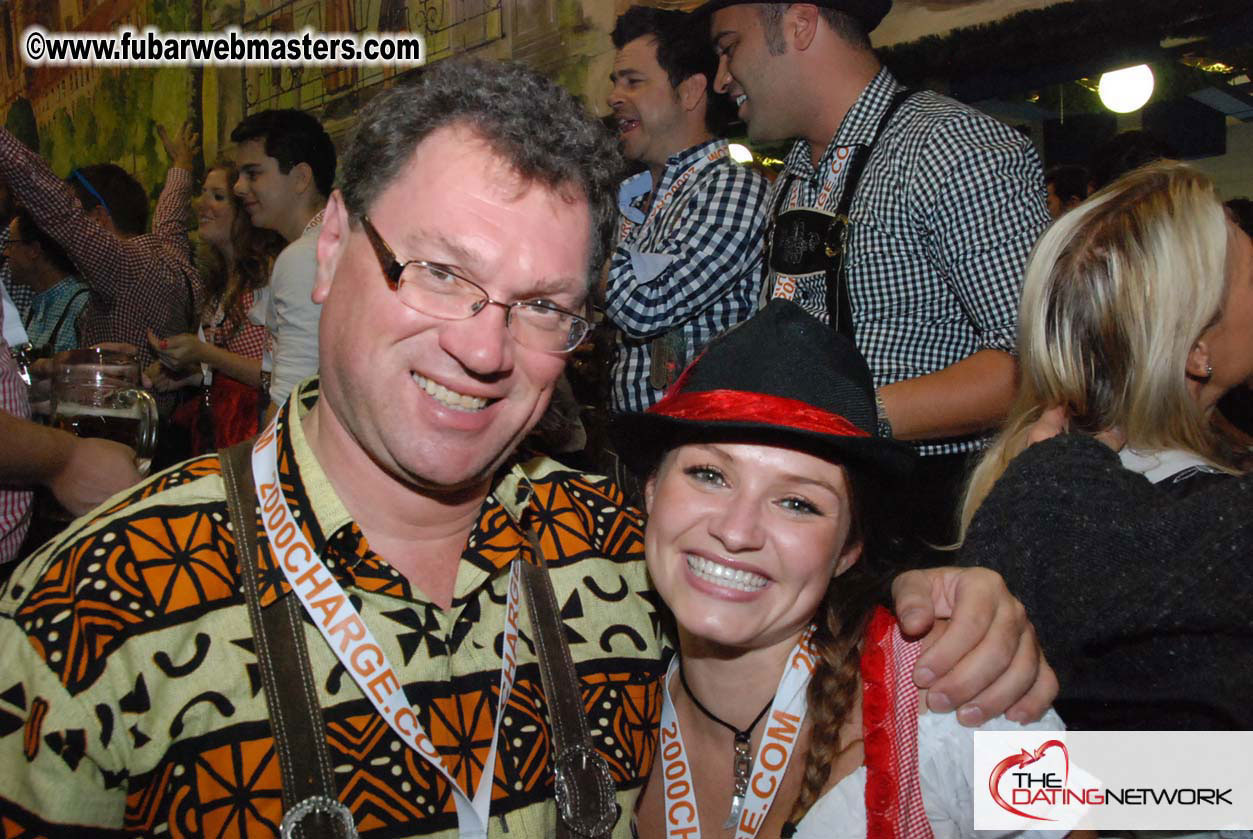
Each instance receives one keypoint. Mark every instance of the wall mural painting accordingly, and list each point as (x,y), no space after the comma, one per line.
(449,27)
(81,115)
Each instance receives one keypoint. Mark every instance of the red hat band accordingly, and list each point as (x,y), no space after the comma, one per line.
(743,406)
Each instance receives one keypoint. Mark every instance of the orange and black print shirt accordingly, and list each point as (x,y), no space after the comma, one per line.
(130,696)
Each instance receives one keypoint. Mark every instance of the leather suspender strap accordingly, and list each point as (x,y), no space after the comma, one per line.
(56,330)
(584,787)
(309,793)
(839,302)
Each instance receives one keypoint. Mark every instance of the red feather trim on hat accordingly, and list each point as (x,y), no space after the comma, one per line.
(740,406)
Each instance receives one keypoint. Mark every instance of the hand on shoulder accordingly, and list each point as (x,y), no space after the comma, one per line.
(982,656)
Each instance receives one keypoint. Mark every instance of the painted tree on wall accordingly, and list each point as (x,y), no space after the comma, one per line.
(116,121)
(21,122)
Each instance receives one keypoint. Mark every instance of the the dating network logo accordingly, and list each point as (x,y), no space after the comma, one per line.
(1113,780)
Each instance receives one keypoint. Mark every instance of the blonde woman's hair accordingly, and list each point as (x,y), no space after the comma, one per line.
(1117,293)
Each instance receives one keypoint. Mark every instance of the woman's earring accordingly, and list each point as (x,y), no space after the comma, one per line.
(1202,379)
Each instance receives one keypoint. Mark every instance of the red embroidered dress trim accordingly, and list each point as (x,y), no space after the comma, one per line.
(889,707)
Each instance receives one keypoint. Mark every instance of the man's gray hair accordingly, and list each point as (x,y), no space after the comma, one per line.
(544,134)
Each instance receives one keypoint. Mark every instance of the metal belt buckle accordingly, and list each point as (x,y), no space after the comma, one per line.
(582,809)
(836,233)
(316,804)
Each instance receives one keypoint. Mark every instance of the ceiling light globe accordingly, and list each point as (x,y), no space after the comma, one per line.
(1126,90)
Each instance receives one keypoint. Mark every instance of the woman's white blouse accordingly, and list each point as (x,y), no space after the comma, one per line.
(946,764)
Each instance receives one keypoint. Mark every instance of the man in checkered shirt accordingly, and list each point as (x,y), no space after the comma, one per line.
(947,208)
(688,259)
(138,281)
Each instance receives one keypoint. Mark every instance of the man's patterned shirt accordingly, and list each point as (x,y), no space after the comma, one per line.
(130,697)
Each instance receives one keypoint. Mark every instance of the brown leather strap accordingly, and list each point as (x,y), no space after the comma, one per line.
(290,692)
(584,787)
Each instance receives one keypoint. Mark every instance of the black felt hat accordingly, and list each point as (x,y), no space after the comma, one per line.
(780,378)
(866,12)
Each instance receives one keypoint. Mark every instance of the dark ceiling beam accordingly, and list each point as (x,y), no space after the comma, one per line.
(1063,42)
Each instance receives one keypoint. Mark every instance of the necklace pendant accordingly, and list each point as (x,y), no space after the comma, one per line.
(741,768)
(737,807)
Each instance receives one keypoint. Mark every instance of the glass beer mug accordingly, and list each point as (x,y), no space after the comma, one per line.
(96,393)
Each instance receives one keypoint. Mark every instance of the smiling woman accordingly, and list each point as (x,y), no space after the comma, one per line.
(766,539)
(220,365)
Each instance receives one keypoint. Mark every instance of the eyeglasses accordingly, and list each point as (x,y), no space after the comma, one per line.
(438,291)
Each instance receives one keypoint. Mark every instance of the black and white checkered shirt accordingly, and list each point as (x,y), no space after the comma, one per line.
(948,208)
(708,234)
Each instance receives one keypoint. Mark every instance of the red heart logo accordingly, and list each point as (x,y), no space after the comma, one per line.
(1024,758)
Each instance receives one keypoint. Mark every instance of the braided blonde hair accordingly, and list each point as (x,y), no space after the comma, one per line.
(839,626)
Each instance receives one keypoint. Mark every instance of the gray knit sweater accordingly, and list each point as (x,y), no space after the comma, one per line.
(1143,600)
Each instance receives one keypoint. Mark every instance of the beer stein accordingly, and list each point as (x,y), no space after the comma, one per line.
(96,393)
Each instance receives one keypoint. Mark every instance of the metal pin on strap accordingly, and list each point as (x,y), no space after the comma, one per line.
(313,805)
(584,790)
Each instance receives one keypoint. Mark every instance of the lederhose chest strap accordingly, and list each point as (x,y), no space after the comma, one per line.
(582,784)
(310,804)
(828,237)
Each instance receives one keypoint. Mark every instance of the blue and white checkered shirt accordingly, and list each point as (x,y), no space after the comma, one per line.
(949,205)
(689,271)
(54,314)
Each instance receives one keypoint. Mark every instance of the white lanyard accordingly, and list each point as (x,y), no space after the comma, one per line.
(834,169)
(774,752)
(841,160)
(353,643)
(658,205)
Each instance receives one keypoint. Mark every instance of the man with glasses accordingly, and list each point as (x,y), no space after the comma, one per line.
(453,273)
(99,215)
(37,262)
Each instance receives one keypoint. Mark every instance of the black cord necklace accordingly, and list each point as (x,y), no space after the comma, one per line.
(743,764)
